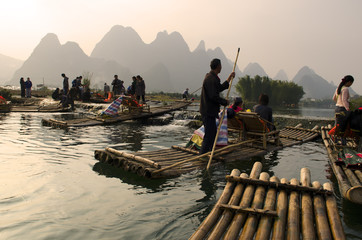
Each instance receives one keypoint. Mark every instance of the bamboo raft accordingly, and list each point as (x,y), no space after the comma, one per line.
(177,160)
(263,207)
(37,108)
(92,121)
(349,180)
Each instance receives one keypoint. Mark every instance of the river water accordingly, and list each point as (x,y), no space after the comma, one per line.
(52,187)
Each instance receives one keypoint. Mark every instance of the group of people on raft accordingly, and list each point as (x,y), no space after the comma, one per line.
(137,88)
(204,137)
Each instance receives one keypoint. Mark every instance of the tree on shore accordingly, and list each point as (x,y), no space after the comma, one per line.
(279,92)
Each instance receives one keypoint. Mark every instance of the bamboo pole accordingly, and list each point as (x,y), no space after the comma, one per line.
(307,207)
(265,223)
(285,186)
(352,193)
(333,215)
(136,158)
(251,223)
(293,231)
(282,209)
(222,115)
(200,156)
(343,183)
(227,215)
(239,218)
(250,210)
(211,219)
(322,225)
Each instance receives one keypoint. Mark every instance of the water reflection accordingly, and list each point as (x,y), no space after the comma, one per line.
(25,123)
(126,136)
(109,171)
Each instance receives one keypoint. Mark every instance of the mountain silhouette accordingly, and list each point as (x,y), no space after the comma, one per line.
(281,75)
(314,85)
(8,66)
(253,69)
(166,64)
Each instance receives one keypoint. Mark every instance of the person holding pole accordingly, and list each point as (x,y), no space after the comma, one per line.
(210,103)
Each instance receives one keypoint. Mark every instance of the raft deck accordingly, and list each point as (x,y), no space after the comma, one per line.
(177,160)
(263,207)
(93,121)
(349,180)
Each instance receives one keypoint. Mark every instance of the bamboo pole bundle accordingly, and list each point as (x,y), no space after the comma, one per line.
(265,223)
(343,183)
(333,215)
(227,215)
(293,214)
(282,209)
(211,219)
(201,156)
(251,223)
(322,224)
(285,186)
(348,183)
(134,157)
(307,207)
(239,218)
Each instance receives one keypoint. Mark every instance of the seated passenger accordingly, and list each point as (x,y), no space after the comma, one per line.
(265,111)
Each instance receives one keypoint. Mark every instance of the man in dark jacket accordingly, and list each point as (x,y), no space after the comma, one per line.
(210,103)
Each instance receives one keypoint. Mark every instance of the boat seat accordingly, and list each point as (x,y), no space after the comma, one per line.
(251,125)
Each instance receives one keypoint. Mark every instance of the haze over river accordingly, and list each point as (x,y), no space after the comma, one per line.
(52,187)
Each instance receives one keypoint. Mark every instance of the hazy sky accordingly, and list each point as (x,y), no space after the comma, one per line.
(325,35)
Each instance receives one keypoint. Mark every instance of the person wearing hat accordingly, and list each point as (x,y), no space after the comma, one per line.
(210,103)
(185,95)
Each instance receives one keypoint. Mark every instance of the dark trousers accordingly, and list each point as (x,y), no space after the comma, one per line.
(342,117)
(210,133)
(139,97)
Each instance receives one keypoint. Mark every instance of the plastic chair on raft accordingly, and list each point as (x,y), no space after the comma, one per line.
(251,125)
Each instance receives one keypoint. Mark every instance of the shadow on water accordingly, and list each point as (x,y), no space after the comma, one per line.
(109,171)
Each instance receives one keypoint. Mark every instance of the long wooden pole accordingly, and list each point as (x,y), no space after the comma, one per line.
(223,114)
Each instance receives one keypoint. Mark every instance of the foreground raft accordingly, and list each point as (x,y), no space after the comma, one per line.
(349,180)
(93,121)
(263,207)
(177,160)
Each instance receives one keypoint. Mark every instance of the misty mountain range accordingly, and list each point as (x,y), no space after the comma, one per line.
(166,64)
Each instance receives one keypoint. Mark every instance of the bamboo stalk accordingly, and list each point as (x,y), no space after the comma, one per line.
(211,219)
(134,157)
(222,115)
(282,209)
(307,207)
(322,225)
(200,156)
(343,183)
(293,231)
(285,186)
(239,218)
(265,224)
(333,215)
(228,214)
(251,223)
(251,210)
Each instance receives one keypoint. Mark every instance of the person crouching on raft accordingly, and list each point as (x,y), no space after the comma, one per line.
(341,97)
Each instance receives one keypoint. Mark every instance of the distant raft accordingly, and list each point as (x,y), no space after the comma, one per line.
(177,160)
(263,207)
(131,113)
(349,179)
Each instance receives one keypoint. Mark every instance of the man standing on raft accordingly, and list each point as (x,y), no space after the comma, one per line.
(210,103)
